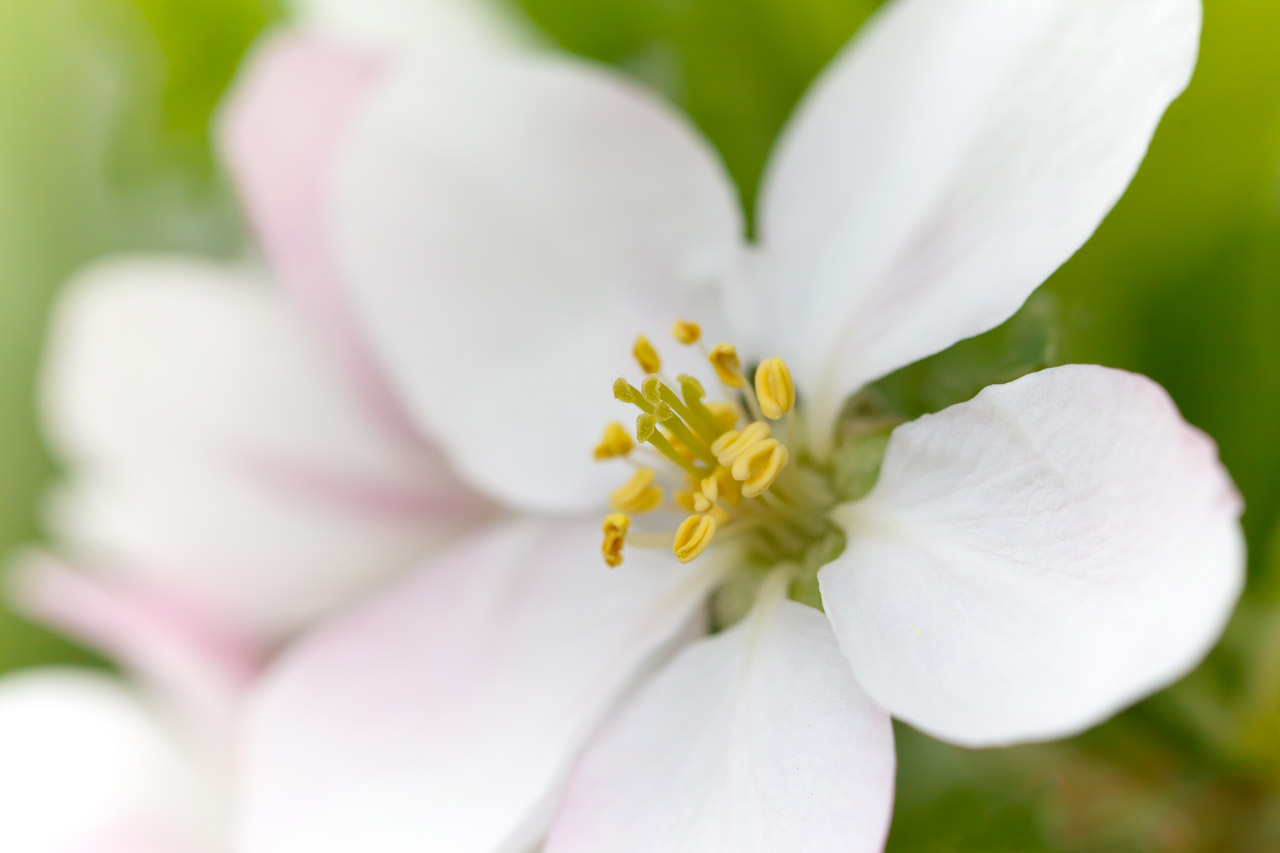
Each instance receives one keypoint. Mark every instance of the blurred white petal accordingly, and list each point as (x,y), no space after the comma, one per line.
(86,768)
(212,443)
(445,714)
(280,130)
(188,656)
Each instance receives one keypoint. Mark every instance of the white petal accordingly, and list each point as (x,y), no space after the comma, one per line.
(198,664)
(272,555)
(280,130)
(757,739)
(212,442)
(85,767)
(438,26)
(1036,559)
(445,715)
(948,161)
(508,230)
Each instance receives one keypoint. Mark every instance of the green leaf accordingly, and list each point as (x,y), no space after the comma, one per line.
(1026,343)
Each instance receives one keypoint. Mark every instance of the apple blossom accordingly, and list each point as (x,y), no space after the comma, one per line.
(1028,562)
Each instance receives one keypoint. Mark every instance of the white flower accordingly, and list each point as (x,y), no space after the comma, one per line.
(1029,562)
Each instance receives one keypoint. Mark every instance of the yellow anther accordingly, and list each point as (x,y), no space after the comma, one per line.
(774,388)
(724,358)
(614,443)
(707,495)
(734,443)
(729,488)
(646,355)
(725,413)
(638,495)
(615,529)
(759,466)
(686,332)
(685,499)
(711,489)
(693,537)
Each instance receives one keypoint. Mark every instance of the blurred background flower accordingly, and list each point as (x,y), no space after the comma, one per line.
(105,145)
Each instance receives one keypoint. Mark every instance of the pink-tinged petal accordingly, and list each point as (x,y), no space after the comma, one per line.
(198,663)
(1036,559)
(86,768)
(211,442)
(509,228)
(956,154)
(435,26)
(445,715)
(757,739)
(288,116)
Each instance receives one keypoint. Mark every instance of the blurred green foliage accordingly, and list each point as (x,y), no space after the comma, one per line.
(104,114)
(104,145)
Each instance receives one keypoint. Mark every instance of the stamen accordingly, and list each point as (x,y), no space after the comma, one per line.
(724,358)
(615,530)
(646,355)
(711,489)
(730,489)
(774,388)
(693,537)
(707,496)
(614,443)
(638,495)
(686,499)
(734,443)
(686,332)
(759,466)
(726,413)
(706,500)
(723,464)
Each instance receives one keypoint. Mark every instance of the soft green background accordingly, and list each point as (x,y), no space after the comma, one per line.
(104,129)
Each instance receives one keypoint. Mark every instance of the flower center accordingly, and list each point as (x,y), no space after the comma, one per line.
(733,467)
